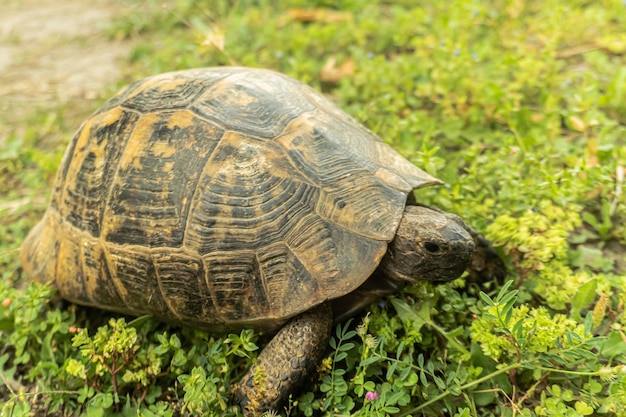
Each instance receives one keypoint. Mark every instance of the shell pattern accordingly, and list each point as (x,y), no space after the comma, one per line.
(219,198)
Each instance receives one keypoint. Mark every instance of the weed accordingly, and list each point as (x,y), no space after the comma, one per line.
(518,106)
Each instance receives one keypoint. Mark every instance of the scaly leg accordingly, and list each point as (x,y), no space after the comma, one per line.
(294,352)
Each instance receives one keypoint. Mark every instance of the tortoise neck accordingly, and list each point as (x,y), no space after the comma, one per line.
(376,287)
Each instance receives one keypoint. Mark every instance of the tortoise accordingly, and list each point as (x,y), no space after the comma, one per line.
(229,198)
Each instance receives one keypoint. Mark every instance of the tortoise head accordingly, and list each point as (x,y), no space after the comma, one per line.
(429,245)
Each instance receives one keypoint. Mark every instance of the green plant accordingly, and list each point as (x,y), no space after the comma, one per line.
(549,348)
(518,106)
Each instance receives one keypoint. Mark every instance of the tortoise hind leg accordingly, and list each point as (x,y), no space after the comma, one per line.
(294,352)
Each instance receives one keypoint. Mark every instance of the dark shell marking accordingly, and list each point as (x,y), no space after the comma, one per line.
(219,198)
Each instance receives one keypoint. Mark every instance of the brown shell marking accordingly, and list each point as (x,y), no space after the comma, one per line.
(219,198)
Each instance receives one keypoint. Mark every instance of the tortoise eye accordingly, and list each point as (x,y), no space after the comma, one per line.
(432,247)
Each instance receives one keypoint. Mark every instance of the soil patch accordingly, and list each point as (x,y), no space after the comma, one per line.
(53,52)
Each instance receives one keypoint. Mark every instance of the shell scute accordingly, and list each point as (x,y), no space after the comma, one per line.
(85,178)
(236,284)
(166,91)
(257,103)
(134,276)
(182,280)
(350,195)
(151,194)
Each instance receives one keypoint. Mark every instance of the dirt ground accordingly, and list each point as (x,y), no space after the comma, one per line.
(53,52)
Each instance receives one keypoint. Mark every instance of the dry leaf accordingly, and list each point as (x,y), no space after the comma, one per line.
(515,8)
(592,153)
(537,117)
(315,15)
(214,36)
(577,123)
(331,73)
(577,50)
(614,43)
(620,173)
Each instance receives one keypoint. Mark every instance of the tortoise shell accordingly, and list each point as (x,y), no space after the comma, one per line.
(219,198)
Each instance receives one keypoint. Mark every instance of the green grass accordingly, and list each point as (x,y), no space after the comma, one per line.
(520,107)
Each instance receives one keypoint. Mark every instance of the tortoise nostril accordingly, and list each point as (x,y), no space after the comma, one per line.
(431,247)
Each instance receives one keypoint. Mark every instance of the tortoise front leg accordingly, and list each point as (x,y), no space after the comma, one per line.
(294,352)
